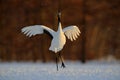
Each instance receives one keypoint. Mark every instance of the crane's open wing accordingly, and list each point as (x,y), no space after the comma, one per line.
(72,32)
(36,29)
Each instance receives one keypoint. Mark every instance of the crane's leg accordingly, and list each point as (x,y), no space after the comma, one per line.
(61,58)
(57,61)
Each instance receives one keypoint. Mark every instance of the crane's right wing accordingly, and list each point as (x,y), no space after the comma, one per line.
(37,29)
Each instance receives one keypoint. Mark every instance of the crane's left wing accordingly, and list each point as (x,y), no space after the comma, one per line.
(72,32)
(37,29)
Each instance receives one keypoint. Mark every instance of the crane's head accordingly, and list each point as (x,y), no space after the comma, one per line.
(59,13)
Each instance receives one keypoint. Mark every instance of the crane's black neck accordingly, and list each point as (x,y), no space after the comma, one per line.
(59,22)
(59,15)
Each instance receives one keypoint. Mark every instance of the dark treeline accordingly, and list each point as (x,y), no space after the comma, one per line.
(98,21)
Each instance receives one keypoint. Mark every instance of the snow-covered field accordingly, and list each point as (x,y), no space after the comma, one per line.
(92,70)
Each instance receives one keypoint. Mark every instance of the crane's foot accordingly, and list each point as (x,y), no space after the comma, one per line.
(63,65)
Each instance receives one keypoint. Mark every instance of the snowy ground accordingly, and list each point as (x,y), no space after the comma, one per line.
(74,71)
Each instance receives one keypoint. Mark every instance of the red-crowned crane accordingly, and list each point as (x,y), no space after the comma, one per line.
(58,37)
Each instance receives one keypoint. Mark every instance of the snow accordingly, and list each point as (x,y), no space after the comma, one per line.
(93,70)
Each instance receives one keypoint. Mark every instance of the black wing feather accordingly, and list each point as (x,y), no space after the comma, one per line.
(45,31)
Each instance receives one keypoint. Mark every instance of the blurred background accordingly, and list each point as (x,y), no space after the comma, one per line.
(98,20)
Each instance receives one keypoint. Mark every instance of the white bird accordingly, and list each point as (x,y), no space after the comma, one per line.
(58,37)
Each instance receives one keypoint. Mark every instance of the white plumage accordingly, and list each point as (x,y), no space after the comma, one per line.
(59,39)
